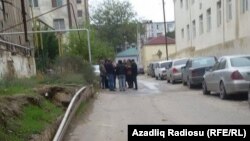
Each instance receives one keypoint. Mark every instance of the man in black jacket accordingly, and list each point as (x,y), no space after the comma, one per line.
(121,71)
(134,74)
(110,73)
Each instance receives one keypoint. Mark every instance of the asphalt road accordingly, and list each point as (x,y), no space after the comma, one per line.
(156,102)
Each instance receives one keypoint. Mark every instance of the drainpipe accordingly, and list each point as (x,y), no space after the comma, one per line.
(69,14)
(223,20)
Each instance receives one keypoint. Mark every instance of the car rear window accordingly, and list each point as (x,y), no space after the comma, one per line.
(203,62)
(240,61)
(180,62)
(166,65)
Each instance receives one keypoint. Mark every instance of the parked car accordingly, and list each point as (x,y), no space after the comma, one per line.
(174,72)
(231,75)
(193,71)
(161,69)
(150,70)
(249,95)
(140,70)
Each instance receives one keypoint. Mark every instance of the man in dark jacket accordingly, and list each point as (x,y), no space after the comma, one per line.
(121,71)
(102,74)
(134,74)
(110,73)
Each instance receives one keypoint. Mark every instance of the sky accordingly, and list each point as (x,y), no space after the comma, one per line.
(148,9)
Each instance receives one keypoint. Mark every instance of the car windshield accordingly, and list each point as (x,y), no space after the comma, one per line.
(166,65)
(96,67)
(240,61)
(203,62)
(180,62)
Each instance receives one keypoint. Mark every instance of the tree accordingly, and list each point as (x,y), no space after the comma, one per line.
(115,21)
(78,45)
(46,55)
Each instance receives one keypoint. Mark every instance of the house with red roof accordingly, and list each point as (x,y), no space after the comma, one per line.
(155,50)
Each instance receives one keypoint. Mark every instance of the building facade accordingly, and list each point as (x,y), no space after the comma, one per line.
(155,50)
(16,51)
(156,29)
(66,14)
(212,27)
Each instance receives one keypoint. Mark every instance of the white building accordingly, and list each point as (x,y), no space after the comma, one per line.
(68,16)
(156,29)
(212,27)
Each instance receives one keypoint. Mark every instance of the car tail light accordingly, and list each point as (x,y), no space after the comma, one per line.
(236,75)
(194,73)
(175,70)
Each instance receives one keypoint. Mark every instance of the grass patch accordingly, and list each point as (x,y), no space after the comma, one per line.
(69,78)
(17,86)
(33,121)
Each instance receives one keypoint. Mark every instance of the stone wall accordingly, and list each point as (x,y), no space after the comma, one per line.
(16,65)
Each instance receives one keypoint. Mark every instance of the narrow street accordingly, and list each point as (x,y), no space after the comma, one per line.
(156,102)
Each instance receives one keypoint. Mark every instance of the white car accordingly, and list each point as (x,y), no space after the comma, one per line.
(161,69)
(96,70)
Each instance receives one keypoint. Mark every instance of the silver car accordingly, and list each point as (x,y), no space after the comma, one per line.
(174,73)
(231,75)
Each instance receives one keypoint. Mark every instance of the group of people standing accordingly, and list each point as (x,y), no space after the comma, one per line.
(125,71)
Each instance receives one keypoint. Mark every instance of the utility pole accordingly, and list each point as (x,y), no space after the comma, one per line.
(165,28)
(24,20)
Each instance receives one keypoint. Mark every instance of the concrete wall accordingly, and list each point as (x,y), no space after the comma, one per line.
(16,65)
(231,37)
(149,53)
(15,61)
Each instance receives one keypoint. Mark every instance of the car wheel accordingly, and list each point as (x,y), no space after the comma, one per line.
(223,93)
(172,80)
(168,79)
(204,88)
(190,86)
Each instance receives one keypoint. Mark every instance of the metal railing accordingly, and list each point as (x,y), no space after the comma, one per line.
(73,106)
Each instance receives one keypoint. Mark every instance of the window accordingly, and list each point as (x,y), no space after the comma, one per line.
(59,24)
(194,28)
(56,3)
(244,6)
(240,61)
(157,27)
(182,33)
(78,1)
(181,3)
(34,3)
(219,13)
(222,64)
(209,22)
(188,32)
(201,24)
(229,10)
(79,13)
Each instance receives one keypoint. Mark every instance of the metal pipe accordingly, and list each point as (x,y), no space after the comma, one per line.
(165,29)
(15,45)
(62,30)
(58,135)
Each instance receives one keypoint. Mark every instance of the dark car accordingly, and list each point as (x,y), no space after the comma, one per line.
(249,95)
(151,69)
(192,73)
(141,70)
